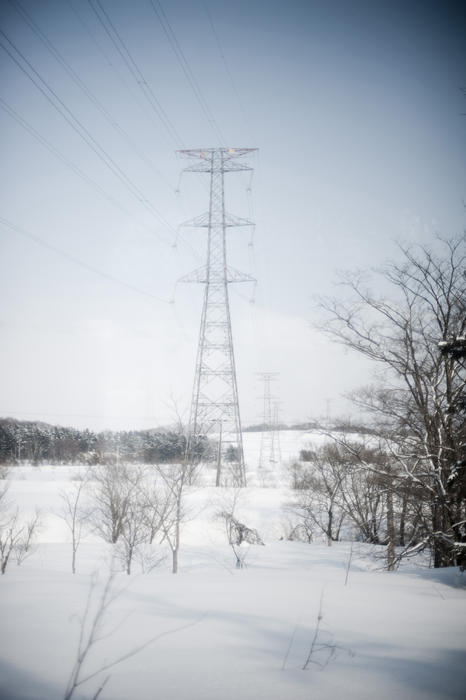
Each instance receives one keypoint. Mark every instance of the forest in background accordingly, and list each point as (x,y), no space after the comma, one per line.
(39,443)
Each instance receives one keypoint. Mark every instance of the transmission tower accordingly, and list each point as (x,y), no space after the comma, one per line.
(214,405)
(270,452)
(276,431)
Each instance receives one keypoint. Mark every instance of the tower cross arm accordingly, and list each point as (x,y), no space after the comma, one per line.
(206,153)
(234,275)
(216,159)
(198,276)
(227,220)
(224,168)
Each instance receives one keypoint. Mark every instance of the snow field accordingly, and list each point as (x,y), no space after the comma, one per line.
(214,632)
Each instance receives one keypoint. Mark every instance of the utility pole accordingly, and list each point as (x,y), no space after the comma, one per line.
(215,392)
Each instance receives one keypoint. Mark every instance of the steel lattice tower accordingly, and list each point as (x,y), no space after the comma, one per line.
(214,405)
(270,452)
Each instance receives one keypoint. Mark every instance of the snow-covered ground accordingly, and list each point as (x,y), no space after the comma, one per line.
(214,632)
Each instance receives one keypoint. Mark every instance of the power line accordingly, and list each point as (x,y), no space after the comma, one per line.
(108,61)
(83,87)
(90,33)
(74,168)
(8,413)
(225,63)
(58,154)
(178,234)
(117,40)
(77,80)
(122,48)
(173,41)
(52,97)
(77,261)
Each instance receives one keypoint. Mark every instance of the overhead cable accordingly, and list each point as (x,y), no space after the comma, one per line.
(58,104)
(226,66)
(83,87)
(58,154)
(120,45)
(173,41)
(71,258)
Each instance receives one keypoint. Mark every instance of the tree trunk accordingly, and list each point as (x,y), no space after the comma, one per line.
(404,507)
(175,560)
(329,526)
(442,550)
(391,559)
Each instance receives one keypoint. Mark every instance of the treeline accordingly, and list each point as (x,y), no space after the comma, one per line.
(41,443)
(345,424)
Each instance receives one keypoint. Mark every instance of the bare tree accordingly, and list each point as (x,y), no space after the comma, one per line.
(10,533)
(238,534)
(133,505)
(416,407)
(156,505)
(174,478)
(301,531)
(24,545)
(364,503)
(94,629)
(134,532)
(16,537)
(113,488)
(74,516)
(131,508)
(320,485)
(10,529)
(368,488)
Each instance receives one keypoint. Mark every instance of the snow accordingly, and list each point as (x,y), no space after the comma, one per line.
(220,633)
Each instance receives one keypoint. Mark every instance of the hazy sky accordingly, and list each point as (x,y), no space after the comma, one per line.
(356,108)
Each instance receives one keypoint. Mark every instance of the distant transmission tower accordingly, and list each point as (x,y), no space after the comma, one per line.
(276,431)
(214,406)
(270,452)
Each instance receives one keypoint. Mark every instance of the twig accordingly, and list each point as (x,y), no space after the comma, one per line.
(320,615)
(290,644)
(348,564)
(87,642)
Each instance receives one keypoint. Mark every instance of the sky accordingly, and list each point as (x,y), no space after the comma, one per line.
(357,112)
